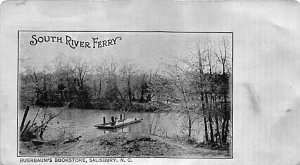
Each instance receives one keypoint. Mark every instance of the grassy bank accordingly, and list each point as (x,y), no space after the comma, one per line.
(122,144)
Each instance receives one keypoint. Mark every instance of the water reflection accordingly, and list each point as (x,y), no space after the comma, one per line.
(81,123)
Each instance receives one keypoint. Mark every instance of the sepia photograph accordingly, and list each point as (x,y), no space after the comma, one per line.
(125,94)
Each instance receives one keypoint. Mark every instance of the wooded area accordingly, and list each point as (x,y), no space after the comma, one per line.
(197,84)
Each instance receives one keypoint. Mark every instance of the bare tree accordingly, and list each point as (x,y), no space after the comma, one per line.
(179,75)
(127,72)
(80,76)
(223,54)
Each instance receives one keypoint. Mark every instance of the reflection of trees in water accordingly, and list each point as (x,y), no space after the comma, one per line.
(172,125)
(164,124)
(196,126)
(73,123)
(154,122)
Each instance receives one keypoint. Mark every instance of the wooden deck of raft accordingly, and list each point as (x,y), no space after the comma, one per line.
(119,123)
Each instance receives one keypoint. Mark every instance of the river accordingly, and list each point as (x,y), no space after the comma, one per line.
(78,122)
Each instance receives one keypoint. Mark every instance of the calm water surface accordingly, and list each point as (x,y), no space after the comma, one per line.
(75,122)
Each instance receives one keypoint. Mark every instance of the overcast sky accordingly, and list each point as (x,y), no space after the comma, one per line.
(146,50)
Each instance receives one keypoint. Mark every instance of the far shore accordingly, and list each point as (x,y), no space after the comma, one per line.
(162,110)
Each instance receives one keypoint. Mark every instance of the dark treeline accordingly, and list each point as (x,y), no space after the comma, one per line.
(80,86)
(197,85)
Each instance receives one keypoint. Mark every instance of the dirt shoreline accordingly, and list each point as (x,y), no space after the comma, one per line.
(122,144)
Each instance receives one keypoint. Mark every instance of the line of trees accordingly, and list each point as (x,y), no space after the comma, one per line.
(202,84)
(79,85)
(196,85)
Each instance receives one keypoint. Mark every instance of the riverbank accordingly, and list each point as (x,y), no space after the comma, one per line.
(135,106)
(122,144)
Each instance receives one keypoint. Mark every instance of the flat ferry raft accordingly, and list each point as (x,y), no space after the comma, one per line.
(119,123)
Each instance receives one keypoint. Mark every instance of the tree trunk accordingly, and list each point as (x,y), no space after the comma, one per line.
(205,128)
(95,89)
(218,138)
(100,87)
(223,129)
(129,93)
(142,94)
(24,118)
(226,131)
(218,135)
(226,119)
(211,128)
(204,116)
(42,133)
(190,126)
(26,127)
(210,120)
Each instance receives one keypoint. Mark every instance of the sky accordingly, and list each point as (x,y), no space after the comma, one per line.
(147,50)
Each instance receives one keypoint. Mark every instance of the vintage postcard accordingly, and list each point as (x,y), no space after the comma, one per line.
(129,82)
(87,93)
